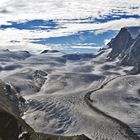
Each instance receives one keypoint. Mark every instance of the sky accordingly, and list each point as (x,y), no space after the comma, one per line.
(66,25)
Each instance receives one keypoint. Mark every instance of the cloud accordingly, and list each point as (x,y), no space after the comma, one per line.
(71,16)
(65,9)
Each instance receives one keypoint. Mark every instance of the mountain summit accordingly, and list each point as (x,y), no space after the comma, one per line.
(126,48)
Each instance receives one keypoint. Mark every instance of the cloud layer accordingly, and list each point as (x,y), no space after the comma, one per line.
(65,9)
(26,20)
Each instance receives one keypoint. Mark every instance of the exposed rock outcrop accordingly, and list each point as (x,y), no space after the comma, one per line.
(126,49)
(120,44)
(132,56)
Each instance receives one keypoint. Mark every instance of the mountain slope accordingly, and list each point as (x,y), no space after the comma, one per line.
(12,127)
(120,43)
(132,56)
(126,48)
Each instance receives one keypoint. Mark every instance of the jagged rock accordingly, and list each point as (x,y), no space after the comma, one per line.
(133,54)
(9,99)
(126,49)
(120,44)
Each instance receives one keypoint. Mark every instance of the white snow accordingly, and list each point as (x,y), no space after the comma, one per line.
(57,100)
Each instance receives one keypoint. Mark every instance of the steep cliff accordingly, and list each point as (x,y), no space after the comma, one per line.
(126,48)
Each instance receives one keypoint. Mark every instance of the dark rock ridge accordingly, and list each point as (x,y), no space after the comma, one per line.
(126,49)
(132,56)
(49,51)
(120,44)
(10,99)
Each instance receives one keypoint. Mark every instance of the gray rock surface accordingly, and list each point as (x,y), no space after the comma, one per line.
(126,49)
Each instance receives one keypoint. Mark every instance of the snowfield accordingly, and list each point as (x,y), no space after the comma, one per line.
(56,87)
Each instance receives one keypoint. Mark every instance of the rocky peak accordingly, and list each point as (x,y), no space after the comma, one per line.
(120,44)
(132,56)
(126,48)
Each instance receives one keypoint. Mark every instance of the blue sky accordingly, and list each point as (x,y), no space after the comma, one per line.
(69,26)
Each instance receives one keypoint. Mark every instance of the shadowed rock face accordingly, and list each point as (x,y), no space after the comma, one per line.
(120,44)
(133,55)
(8,127)
(13,128)
(9,99)
(126,49)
